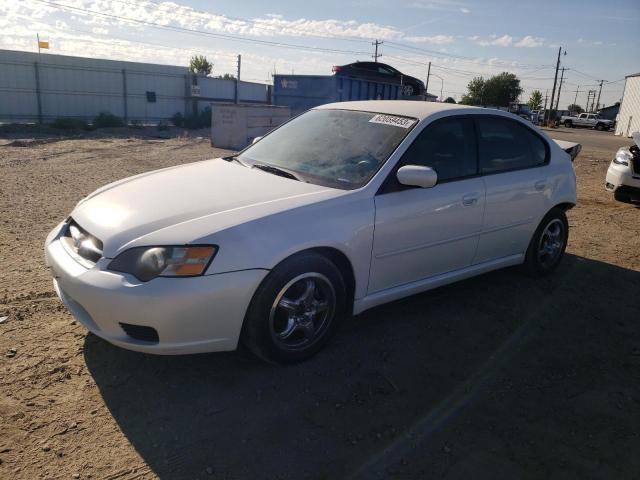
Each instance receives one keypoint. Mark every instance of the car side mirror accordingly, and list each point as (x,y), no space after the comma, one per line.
(255,140)
(417,176)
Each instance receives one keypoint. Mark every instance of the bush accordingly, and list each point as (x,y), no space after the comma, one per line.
(177,119)
(202,120)
(62,123)
(107,120)
(162,125)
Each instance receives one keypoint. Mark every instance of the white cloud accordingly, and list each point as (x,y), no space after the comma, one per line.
(494,40)
(585,42)
(530,42)
(100,30)
(441,5)
(435,40)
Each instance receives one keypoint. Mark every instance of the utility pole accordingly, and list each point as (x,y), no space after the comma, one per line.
(375,55)
(591,95)
(546,96)
(560,89)
(553,91)
(237,92)
(599,92)
(576,98)
(426,87)
(586,107)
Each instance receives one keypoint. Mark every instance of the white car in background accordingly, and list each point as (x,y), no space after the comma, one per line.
(345,207)
(623,175)
(590,120)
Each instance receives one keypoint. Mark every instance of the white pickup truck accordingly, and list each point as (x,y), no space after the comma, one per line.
(590,120)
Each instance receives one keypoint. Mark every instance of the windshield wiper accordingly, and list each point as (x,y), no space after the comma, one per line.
(276,171)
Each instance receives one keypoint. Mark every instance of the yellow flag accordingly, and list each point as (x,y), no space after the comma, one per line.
(43,44)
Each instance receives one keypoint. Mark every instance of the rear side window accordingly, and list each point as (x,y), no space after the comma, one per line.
(506,145)
(446,146)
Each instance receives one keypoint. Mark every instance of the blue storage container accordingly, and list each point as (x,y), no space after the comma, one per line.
(302,92)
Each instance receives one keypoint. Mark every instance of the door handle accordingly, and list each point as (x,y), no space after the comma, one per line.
(469,200)
(540,185)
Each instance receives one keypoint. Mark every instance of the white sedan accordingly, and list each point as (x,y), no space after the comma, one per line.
(345,207)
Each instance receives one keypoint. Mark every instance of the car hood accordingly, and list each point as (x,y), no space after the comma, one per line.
(188,202)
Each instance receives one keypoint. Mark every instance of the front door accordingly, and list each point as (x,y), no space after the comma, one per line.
(422,232)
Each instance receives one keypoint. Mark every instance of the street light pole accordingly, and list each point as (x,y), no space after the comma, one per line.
(441,84)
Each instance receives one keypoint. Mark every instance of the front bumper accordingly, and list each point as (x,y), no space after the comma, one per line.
(623,182)
(190,315)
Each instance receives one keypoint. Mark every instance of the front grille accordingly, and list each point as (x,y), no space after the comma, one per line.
(139,332)
(82,243)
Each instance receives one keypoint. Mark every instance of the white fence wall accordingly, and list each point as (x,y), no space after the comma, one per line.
(628,120)
(42,88)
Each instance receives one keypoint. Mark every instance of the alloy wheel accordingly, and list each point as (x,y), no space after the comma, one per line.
(302,311)
(551,243)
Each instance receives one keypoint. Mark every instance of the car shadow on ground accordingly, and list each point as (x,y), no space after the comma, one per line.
(429,365)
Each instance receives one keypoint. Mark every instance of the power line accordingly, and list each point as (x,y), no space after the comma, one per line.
(201,32)
(304,32)
(499,63)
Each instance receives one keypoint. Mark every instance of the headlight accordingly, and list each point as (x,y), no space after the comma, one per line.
(146,263)
(622,157)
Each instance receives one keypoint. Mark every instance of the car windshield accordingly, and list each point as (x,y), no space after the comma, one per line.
(335,148)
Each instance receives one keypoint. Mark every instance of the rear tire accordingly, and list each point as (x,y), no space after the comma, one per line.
(547,245)
(599,126)
(568,123)
(295,310)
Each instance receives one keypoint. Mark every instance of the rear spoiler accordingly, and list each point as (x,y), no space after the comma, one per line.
(572,148)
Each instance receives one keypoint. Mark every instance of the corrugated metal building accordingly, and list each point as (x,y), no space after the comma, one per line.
(44,87)
(629,115)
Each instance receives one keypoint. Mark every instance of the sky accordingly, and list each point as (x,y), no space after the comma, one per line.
(461,38)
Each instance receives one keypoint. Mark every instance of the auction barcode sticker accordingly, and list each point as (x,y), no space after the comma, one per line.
(402,122)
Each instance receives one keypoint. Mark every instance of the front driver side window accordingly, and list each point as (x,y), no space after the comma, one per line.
(447,146)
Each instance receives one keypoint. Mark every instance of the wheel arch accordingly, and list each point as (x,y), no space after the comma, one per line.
(564,206)
(340,260)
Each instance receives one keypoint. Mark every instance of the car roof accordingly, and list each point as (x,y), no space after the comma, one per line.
(406,108)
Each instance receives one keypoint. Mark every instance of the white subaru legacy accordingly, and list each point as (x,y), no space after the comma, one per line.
(345,207)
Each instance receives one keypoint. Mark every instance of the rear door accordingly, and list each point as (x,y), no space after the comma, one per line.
(422,232)
(514,164)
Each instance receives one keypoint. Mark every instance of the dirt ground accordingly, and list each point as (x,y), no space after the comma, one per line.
(500,376)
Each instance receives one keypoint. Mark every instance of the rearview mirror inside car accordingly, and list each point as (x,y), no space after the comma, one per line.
(417,176)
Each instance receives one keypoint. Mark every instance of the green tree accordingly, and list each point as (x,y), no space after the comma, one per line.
(227,76)
(535,100)
(498,91)
(575,108)
(474,92)
(200,65)
(449,100)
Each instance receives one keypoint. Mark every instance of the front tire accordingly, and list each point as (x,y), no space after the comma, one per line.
(548,244)
(296,309)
